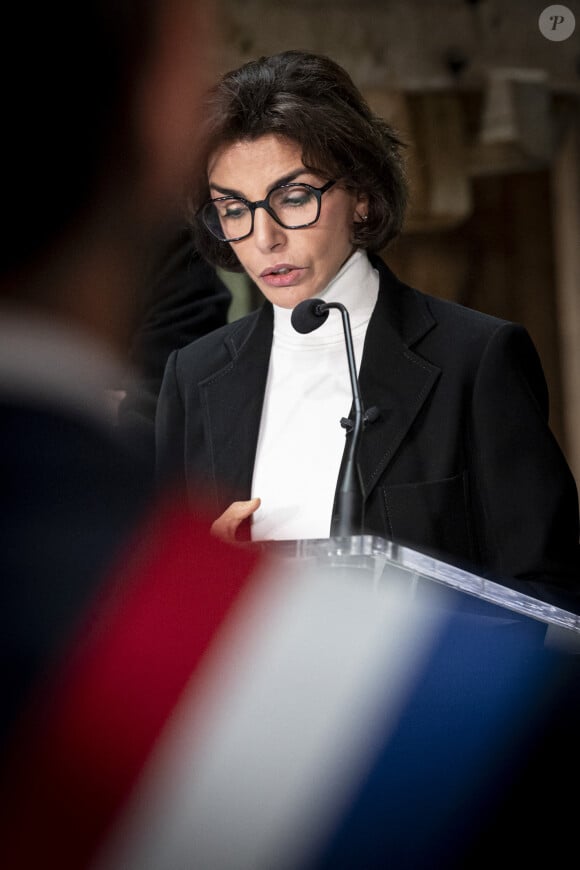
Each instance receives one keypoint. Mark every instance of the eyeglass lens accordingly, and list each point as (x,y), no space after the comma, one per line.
(295,205)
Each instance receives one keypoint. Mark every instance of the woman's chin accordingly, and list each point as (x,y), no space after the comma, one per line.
(288,297)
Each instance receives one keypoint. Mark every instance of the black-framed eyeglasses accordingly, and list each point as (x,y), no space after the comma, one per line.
(294,206)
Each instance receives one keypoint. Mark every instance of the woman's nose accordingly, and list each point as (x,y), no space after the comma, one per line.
(268,234)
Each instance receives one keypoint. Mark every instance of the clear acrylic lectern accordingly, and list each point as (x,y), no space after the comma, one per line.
(377,561)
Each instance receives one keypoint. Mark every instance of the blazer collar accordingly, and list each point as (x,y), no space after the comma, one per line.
(393,377)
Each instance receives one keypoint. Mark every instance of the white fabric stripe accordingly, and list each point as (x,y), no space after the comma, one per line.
(264,749)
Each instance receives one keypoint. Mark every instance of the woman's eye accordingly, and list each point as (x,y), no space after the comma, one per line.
(296,198)
(232,211)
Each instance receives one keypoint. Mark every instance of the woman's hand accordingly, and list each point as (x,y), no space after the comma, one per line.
(226,526)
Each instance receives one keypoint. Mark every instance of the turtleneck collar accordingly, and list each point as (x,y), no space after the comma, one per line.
(356,286)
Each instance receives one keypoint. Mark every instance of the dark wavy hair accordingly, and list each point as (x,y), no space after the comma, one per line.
(312,100)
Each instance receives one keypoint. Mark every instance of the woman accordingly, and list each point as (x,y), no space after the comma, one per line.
(301,185)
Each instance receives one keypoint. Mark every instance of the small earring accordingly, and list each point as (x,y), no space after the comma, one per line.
(365,217)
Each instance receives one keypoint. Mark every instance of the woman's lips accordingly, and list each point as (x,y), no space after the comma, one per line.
(281,275)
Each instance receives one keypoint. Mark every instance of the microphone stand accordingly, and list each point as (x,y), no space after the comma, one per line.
(348,515)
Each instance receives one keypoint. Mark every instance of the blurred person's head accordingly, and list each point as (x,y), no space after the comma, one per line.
(295,111)
(99,100)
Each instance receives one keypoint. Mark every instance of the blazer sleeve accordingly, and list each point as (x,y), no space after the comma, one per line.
(526,491)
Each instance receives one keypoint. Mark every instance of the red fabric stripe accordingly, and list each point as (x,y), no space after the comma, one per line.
(83,748)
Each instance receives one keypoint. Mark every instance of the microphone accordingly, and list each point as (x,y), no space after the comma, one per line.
(348,515)
(309,315)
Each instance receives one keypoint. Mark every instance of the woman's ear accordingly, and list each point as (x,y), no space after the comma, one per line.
(361,209)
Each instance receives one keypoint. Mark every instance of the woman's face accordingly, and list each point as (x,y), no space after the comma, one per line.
(288,266)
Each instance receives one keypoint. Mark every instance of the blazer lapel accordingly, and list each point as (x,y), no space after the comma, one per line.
(393,377)
(232,400)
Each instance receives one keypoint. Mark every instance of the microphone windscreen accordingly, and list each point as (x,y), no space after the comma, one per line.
(307,317)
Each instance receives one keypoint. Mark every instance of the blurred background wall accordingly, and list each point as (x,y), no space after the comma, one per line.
(490,109)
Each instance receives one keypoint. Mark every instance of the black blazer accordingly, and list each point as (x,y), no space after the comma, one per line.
(461,462)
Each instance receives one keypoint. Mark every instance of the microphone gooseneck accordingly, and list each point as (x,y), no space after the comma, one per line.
(348,514)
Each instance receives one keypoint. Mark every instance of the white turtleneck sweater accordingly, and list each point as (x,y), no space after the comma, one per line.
(308,390)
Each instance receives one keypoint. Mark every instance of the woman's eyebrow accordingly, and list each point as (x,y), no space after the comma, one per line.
(286,179)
